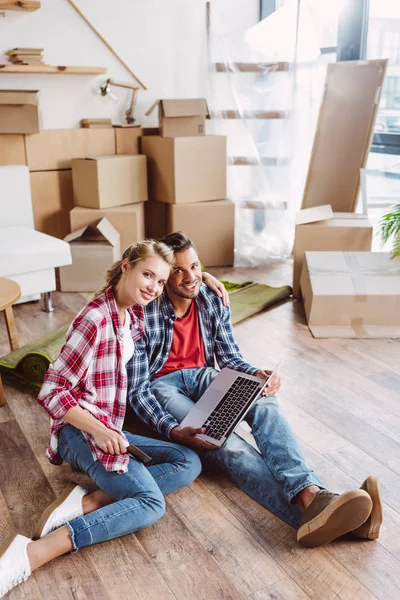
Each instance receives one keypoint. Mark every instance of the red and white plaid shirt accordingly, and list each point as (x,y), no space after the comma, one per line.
(90,373)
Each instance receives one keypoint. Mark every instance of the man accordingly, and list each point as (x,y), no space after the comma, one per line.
(173,366)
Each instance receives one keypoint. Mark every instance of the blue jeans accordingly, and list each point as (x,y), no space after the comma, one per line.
(272,477)
(138,492)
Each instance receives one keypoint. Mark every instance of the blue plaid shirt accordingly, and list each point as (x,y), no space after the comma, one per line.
(152,351)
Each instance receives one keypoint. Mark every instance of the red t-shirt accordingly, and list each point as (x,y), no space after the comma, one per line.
(187,349)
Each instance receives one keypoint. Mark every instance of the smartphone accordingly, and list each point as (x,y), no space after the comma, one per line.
(274,371)
(139,454)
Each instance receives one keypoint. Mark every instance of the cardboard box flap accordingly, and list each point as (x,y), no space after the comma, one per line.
(108,231)
(184,108)
(152,107)
(19,97)
(314,214)
(102,226)
(75,234)
(192,107)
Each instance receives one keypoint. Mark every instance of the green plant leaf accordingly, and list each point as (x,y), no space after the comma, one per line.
(389,227)
(396,246)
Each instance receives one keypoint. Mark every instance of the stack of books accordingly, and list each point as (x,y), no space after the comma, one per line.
(26,56)
(96,123)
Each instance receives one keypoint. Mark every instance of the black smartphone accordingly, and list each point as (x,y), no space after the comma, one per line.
(139,454)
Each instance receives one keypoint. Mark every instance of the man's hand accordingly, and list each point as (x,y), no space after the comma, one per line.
(188,436)
(217,287)
(109,440)
(273,385)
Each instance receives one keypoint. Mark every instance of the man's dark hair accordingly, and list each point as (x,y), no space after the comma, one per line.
(178,241)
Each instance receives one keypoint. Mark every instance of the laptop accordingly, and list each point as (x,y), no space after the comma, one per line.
(224,404)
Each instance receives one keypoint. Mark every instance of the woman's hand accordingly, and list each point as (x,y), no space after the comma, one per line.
(109,441)
(217,287)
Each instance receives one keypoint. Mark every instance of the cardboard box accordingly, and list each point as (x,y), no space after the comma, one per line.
(55,148)
(19,111)
(352,294)
(344,133)
(211,225)
(128,220)
(109,181)
(156,219)
(151,131)
(186,169)
(12,150)
(179,118)
(127,140)
(52,200)
(94,249)
(319,228)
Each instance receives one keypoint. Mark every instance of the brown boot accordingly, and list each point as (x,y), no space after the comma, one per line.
(329,516)
(370,529)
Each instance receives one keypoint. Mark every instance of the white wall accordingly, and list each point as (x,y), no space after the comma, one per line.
(163,41)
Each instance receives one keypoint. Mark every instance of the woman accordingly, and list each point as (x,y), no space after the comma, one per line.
(84,392)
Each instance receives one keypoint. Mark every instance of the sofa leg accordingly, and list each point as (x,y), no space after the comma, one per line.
(47,302)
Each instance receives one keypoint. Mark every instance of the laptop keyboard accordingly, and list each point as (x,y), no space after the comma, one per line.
(231,406)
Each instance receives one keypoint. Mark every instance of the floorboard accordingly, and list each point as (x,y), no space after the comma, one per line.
(342,398)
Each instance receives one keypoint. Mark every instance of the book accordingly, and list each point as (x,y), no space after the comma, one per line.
(27,62)
(27,58)
(25,51)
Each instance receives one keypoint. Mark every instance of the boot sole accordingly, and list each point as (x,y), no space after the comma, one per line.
(343,515)
(370,531)
(46,515)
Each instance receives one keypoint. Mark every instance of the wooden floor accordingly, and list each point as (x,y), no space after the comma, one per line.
(342,398)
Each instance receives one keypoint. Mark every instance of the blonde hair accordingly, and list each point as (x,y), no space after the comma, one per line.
(134,254)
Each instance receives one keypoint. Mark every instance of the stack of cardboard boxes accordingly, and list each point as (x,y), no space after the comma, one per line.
(319,228)
(187,181)
(49,157)
(79,176)
(109,195)
(348,291)
(90,182)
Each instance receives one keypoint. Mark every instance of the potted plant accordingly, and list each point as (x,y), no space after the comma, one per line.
(389,228)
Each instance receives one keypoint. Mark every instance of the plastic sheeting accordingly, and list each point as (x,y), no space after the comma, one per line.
(268,111)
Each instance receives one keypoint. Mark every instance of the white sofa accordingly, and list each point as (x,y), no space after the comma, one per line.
(26,256)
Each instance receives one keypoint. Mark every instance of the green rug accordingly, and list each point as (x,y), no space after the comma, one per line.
(25,368)
(248,299)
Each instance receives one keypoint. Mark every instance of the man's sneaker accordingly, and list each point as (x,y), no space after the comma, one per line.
(14,562)
(67,507)
(329,516)
(370,529)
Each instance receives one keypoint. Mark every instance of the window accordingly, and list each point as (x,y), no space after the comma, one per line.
(324,14)
(371,29)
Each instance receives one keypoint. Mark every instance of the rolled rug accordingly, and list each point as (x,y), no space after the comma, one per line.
(25,368)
